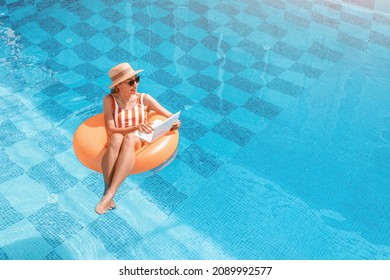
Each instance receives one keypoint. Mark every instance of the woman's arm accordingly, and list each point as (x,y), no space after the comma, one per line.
(155,106)
(110,124)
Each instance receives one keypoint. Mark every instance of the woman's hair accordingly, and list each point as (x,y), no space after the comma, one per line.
(114,90)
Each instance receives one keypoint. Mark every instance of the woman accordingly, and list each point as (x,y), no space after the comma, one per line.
(125,111)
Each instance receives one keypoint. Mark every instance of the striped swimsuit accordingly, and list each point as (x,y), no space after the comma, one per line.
(130,117)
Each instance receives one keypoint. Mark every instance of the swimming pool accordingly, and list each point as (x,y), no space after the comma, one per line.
(285,140)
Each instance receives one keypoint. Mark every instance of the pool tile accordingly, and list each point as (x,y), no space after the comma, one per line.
(20,13)
(80,11)
(356,20)
(118,54)
(262,108)
(9,215)
(17,154)
(243,57)
(162,193)
(175,100)
(227,9)
(202,115)
(156,59)
(307,70)
(251,47)
(54,224)
(248,120)
(193,11)
(285,87)
(141,212)
(203,53)
(325,20)
(305,4)
(183,184)
(11,105)
(193,63)
(55,89)
(143,19)
(244,84)
(164,78)
(297,20)
(233,95)
(214,16)
(84,30)
(269,68)
(51,25)
(173,22)
(217,104)
(216,44)
(148,38)
(52,176)
(218,146)
(202,81)
(69,78)
(58,142)
(279,4)
(206,23)
(184,42)
(233,132)
(24,242)
(97,6)
(3,255)
(52,47)
(381,18)
(86,52)
(88,71)
(112,14)
(53,111)
(10,134)
(287,50)
(37,37)
(324,52)
(102,42)
(53,255)
(198,7)
(98,22)
(379,39)
(95,183)
(191,129)
(118,237)
(273,30)
(65,60)
(200,161)
(25,195)
(91,91)
(59,68)
(351,41)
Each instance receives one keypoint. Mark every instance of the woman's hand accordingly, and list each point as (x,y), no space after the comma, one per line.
(176,125)
(145,128)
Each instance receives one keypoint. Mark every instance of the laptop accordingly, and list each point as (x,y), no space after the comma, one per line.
(160,128)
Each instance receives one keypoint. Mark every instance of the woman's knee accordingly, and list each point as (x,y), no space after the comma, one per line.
(129,140)
(116,140)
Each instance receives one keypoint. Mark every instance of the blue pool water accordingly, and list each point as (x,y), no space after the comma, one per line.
(285,141)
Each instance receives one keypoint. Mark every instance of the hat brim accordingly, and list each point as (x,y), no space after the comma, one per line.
(124,78)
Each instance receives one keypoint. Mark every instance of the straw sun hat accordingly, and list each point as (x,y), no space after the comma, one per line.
(121,72)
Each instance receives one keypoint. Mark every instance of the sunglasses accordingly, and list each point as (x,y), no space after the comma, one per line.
(131,82)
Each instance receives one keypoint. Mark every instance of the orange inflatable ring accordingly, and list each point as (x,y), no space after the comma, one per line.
(90,139)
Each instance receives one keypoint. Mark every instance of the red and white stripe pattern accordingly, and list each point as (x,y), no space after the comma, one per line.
(131,117)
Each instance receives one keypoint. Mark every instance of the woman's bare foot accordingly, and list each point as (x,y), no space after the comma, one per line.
(112,205)
(104,204)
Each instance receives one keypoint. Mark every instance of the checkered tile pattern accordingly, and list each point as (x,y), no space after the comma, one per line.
(214,62)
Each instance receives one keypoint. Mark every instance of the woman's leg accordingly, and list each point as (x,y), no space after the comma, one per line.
(124,165)
(109,160)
